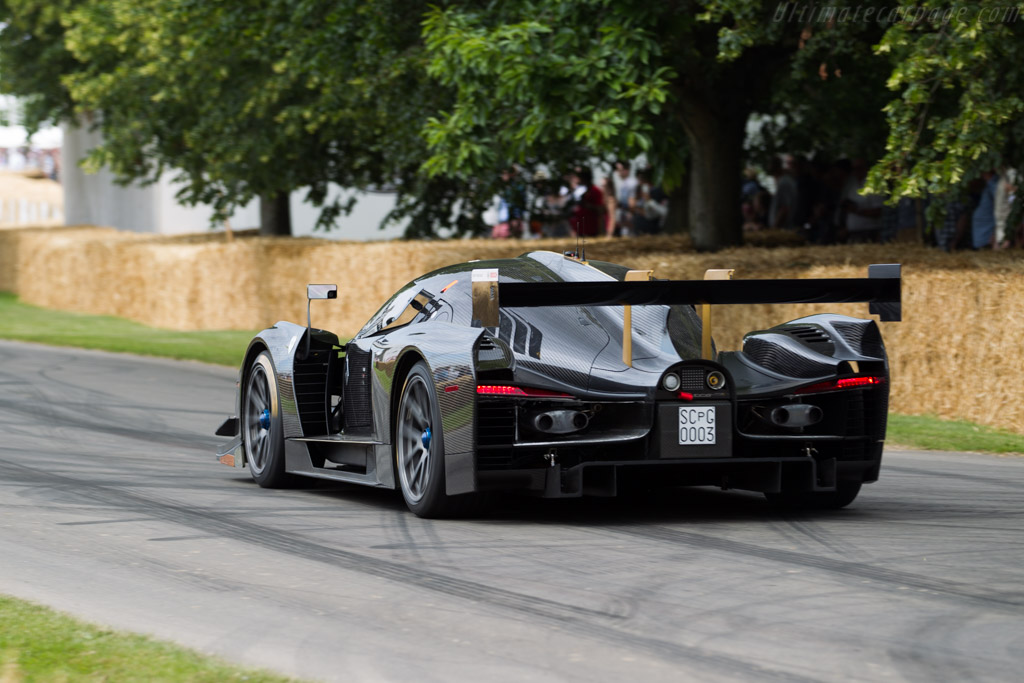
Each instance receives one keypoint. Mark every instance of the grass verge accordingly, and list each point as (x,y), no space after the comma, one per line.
(930,432)
(22,322)
(39,644)
(30,323)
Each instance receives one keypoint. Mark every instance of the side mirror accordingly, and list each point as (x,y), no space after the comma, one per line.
(321,292)
(316,292)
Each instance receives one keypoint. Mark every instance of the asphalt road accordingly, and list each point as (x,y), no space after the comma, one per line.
(113,508)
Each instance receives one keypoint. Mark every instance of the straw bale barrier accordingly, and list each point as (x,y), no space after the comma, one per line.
(28,198)
(956,353)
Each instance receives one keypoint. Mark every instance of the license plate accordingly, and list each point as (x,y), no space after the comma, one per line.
(697,425)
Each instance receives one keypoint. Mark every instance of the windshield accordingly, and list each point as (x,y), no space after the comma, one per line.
(390,310)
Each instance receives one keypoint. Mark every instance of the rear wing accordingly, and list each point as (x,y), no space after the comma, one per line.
(881,289)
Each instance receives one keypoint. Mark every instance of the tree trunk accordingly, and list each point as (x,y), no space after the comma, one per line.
(275,215)
(716,152)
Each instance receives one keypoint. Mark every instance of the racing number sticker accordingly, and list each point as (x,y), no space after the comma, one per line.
(697,425)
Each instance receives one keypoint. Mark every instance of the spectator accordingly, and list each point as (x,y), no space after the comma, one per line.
(1003,200)
(548,211)
(808,188)
(899,223)
(751,186)
(863,213)
(16,159)
(754,201)
(833,183)
(755,215)
(587,218)
(821,222)
(983,220)
(511,207)
(576,188)
(649,204)
(954,225)
(627,188)
(536,191)
(783,207)
(610,205)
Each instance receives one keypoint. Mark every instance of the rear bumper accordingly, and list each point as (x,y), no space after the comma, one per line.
(607,478)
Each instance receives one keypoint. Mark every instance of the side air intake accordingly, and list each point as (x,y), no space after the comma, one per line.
(358,411)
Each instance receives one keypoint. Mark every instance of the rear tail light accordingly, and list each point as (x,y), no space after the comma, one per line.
(528,392)
(851,382)
(845,383)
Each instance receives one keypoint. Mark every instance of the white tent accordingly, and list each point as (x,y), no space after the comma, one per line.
(16,136)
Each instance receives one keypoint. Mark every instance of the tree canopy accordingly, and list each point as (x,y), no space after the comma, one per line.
(958,77)
(257,99)
(248,99)
(676,82)
(33,58)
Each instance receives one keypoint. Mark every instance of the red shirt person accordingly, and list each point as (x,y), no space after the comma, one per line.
(588,216)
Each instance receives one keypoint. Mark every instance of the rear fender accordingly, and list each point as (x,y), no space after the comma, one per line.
(448,352)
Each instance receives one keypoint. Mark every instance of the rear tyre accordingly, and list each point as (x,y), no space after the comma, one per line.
(262,435)
(845,493)
(419,448)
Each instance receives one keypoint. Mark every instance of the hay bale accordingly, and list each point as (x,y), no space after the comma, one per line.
(955,353)
(29,196)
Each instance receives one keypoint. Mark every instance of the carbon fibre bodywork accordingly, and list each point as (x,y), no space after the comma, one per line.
(590,420)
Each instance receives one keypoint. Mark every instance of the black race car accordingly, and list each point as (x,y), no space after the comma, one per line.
(555,376)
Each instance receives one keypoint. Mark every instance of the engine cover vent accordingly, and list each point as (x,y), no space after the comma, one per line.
(778,358)
(812,336)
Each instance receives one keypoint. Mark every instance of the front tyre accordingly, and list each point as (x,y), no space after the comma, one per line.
(262,435)
(419,447)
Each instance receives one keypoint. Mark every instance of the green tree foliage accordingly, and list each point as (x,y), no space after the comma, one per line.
(533,83)
(33,58)
(828,102)
(248,99)
(674,81)
(256,99)
(958,77)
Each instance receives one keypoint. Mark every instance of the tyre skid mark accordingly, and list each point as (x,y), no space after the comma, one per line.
(576,620)
(146,435)
(806,529)
(859,570)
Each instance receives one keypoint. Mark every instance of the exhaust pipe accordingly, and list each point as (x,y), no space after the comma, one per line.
(796,415)
(559,421)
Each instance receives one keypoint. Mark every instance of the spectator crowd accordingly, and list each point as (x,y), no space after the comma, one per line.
(622,204)
(824,201)
(46,161)
(821,200)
